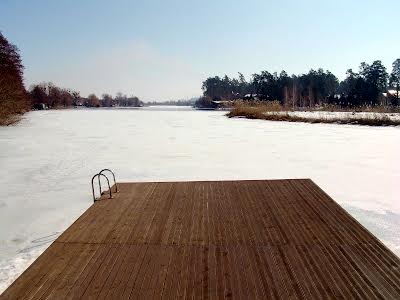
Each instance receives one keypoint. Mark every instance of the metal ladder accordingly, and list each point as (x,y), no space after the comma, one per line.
(99,175)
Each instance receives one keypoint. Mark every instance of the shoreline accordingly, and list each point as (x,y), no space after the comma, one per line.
(375,119)
(10,120)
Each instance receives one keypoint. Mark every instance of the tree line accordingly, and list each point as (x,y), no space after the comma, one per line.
(187,102)
(370,86)
(48,95)
(15,99)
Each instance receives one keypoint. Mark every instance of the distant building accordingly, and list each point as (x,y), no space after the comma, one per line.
(389,98)
(80,101)
(251,97)
(392,93)
(40,106)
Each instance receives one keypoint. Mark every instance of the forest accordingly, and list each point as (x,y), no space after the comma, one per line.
(372,85)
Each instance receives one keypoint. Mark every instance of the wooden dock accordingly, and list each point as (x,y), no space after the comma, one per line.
(213,240)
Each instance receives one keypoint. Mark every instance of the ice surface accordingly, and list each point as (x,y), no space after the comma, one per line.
(47,161)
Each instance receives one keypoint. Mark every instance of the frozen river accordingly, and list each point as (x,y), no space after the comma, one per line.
(47,161)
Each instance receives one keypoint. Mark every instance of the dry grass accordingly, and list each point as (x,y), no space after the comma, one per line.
(372,109)
(6,119)
(275,112)
(271,106)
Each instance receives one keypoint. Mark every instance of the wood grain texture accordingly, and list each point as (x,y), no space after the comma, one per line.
(263,239)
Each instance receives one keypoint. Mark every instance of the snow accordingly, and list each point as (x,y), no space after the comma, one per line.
(342,115)
(47,161)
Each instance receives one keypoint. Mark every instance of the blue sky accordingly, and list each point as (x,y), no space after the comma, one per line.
(165,49)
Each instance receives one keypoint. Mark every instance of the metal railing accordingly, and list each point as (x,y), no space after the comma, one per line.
(115,183)
(99,175)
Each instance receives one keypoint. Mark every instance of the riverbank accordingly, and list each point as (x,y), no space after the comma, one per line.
(6,121)
(277,113)
(10,119)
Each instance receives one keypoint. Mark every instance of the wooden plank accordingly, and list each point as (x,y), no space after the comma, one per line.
(257,239)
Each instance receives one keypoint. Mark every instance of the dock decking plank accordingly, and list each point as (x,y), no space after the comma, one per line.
(256,239)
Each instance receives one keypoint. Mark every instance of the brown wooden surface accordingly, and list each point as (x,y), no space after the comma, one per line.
(208,240)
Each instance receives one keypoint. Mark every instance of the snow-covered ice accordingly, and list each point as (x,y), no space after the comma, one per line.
(338,115)
(47,160)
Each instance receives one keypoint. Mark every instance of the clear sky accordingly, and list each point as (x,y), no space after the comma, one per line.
(165,49)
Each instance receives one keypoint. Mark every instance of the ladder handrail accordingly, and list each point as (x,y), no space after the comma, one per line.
(108,182)
(115,183)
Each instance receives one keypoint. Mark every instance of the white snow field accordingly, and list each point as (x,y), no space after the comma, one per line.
(48,159)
